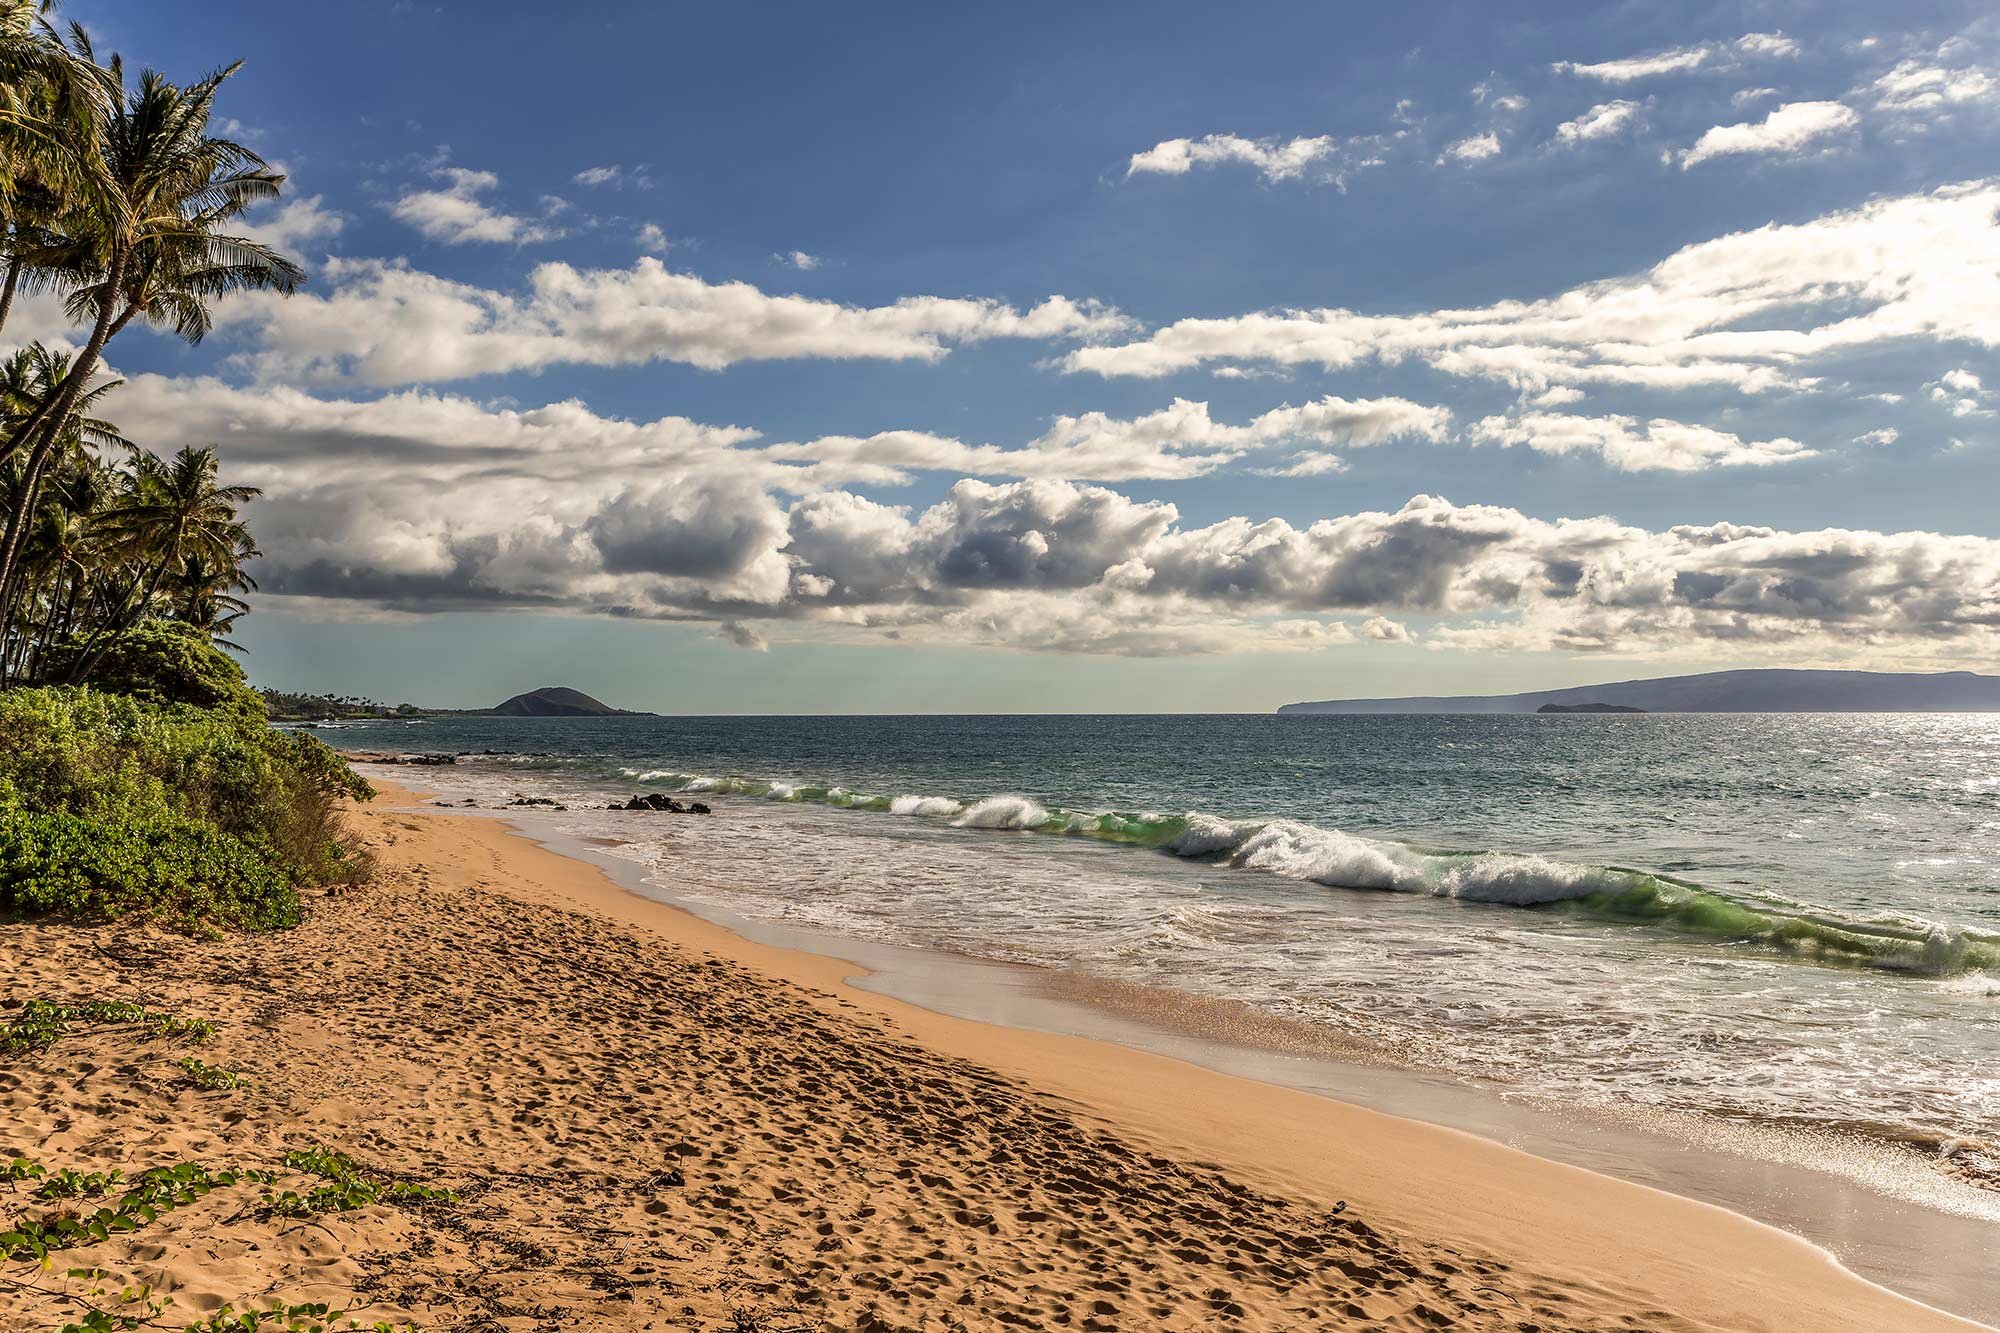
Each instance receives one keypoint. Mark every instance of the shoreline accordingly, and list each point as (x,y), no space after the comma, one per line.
(1433,1179)
(1882,1213)
(1771,1177)
(645,1121)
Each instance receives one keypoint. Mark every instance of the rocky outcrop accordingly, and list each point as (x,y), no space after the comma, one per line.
(662,803)
(414,760)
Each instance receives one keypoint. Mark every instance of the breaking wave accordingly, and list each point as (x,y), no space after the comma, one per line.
(1336,859)
(924,805)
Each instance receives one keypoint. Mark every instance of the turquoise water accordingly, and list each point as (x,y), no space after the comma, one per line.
(1781,922)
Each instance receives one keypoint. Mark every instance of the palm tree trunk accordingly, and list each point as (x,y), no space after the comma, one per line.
(59,604)
(8,288)
(153,584)
(115,623)
(13,654)
(47,422)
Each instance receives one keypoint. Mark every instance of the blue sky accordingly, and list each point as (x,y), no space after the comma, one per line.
(1416,251)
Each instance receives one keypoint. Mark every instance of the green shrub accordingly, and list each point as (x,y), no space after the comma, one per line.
(75,866)
(33,1238)
(38,1024)
(280,1317)
(351,1185)
(162,662)
(210,1078)
(110,805)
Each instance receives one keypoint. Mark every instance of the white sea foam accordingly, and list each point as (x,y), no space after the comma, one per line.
(1324,856)
(1004,812)
(1979,985)
(1523,881)
(1342,860)
(1205,835)
(925,805)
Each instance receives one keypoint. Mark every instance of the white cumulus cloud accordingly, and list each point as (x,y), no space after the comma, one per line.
(295,224)
(387,323)
(1751,311)
(457,213)
(1659,445)
(418,502)
(1789,130)
(1684,59)
(1606,120)
(1274,159)
(1916,85)
(1473,148)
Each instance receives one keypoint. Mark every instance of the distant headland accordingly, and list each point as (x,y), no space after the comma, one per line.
(1751,691)
(548,701)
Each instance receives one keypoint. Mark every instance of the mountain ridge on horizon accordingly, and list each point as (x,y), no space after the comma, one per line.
(1747,690)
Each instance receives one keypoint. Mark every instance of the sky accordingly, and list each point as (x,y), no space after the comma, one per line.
(803,358)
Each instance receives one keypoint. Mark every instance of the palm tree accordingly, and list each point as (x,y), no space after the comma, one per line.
(173,515)
(52,101)
(179,512)
(153,249)
(29,378)
(204,594)
(65,575)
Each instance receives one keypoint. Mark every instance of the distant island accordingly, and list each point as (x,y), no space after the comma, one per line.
(1751,691)
(558,701)
(1592,707)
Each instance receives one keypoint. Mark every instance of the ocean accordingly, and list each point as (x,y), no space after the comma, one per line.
(1786,924)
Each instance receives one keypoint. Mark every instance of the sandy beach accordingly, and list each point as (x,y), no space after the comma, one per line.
(647,1122)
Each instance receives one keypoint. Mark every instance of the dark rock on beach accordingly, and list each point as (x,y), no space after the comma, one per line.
(413,760)
(665,804)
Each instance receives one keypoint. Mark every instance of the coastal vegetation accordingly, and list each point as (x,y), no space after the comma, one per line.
(113,803)
(139,773)
(39,1024)
(286,706)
